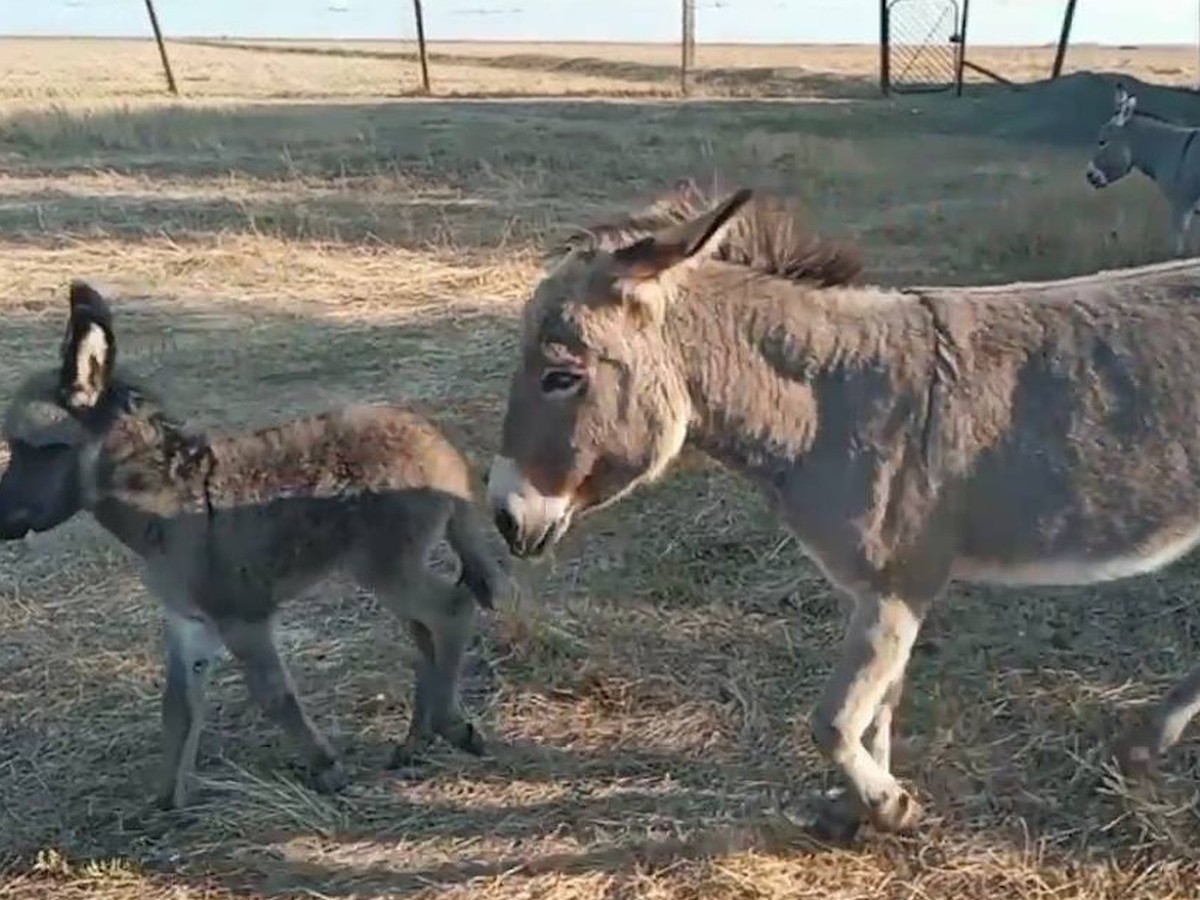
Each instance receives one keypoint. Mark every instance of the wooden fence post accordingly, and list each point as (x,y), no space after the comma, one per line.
(421,46)
(687,43)
(162,49)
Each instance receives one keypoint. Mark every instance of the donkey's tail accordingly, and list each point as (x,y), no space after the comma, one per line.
(480,572)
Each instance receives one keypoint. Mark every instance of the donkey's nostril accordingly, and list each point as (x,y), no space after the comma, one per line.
(507,525)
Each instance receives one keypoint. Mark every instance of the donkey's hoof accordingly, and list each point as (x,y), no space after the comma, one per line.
(1135,755)
(897,813)
(839,819)
(332,779)
(170,798)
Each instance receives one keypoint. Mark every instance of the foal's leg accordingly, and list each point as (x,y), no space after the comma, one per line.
(879,639)
(420,729)
(442,619)
(1165,725)
(191,647)
(270,683)
(451,636)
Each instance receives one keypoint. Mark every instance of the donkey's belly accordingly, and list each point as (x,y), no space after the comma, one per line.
(1081,564)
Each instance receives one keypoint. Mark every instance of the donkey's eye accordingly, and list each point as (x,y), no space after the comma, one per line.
(560,382)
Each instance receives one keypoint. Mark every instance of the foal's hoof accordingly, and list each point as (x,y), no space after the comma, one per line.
(839,819)
(469,740)
(897,813)
(408,756)
(332,779)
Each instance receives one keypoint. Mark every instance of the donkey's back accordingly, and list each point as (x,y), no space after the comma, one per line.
(1071,412)
(365,488)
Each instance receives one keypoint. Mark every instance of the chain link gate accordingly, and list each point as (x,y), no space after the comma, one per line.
(922,45)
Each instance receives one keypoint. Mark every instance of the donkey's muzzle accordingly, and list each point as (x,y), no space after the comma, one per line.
(530,522)
(1096,178)
(507,525)
(522,544)
(13,529)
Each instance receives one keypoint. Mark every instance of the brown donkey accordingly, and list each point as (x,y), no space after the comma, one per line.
(230,527)
(1026,434)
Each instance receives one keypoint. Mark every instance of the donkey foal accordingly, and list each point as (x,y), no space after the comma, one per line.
(230,527)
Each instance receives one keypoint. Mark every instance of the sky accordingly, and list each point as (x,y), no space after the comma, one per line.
(784,21)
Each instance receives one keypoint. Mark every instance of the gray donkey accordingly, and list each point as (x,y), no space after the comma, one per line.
(230,527)
(1023,434)
(1167,153)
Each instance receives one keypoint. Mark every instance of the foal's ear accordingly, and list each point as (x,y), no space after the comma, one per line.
(89,351)
(656,254)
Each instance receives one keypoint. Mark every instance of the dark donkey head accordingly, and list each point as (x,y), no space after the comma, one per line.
(47,424)
(1114,152)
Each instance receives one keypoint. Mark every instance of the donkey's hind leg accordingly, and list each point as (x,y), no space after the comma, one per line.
(451,638)
(420,729)
(191,647)
(1164,727)
(442,620)
(270,683)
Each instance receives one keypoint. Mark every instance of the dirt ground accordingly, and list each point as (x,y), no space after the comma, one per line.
(287,236)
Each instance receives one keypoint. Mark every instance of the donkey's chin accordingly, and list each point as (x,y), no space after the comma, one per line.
(1096,178)
(13,531)
(539,547)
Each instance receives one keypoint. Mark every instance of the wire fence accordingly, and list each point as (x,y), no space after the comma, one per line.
(430,44)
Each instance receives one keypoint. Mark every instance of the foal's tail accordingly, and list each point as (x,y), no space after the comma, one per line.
(480,572)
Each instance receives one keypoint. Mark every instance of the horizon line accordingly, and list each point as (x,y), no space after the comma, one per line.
(43,36)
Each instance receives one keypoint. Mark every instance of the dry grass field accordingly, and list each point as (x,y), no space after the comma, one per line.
(286,237)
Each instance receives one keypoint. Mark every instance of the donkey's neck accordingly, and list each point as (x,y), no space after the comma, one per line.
(138,529)
(768,360)
(146,473)
(1156,147)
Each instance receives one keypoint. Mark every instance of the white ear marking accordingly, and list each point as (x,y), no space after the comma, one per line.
(91,359)
(1126,104)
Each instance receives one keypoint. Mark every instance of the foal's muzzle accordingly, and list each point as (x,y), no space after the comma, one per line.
(1095,177)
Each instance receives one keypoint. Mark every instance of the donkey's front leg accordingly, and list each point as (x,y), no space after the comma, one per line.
(1181,220)
(879,639)
(191,646)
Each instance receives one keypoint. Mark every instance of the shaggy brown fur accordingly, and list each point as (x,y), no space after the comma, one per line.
(1020,434)
(231,526)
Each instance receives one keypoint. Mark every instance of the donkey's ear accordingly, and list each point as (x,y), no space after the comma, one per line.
(654,255)
(84,297)
(1126,103)
(89,352)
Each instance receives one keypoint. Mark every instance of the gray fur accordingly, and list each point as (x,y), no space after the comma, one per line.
(1168,154)
(1043,433)
(230,527)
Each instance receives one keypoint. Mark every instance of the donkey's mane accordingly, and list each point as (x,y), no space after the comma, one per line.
(770,235)
(1153,116)
(182,446)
